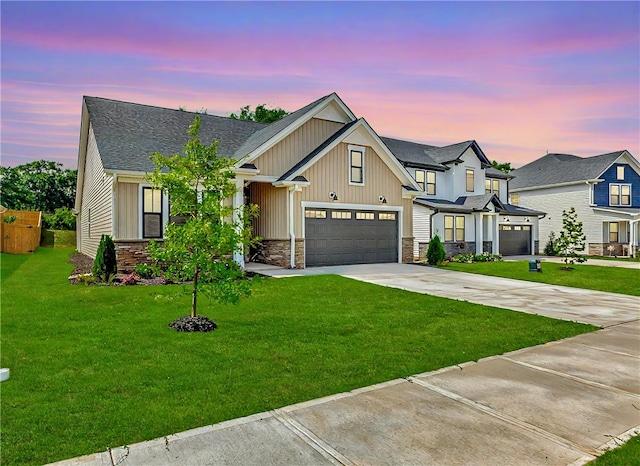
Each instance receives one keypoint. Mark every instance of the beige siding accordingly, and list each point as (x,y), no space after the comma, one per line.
(95,217)
(272,222)
(295,147)
(331,174)
(128,211)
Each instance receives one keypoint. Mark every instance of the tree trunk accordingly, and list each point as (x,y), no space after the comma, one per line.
(194,296)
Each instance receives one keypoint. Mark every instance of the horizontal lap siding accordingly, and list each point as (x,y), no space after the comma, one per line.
(96,196)
(284,155)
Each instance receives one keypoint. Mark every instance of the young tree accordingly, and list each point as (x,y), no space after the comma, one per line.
(571,240)
(435,251)
(201,250)
(262,114)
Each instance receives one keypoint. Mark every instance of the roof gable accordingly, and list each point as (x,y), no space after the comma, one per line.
(553,169)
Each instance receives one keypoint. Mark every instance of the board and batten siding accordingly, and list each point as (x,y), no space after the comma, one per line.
(421,226)
(553,201)
(331,174)
(284,155)
(272,221)
(95,214)
(128,211)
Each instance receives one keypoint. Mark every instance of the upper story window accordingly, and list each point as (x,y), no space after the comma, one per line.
(431,182)
(619,194)
(356,165)
(470,180)
(421,179)
(620,172)
(515,199)
(151,213)
(492,186)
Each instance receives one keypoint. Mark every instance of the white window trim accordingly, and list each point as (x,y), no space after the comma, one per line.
(472,170)
(618,167)
(356,149)
(620,185)
(435,183)
(424,179)
(165,210)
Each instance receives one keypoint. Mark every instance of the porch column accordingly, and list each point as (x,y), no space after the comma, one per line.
(238,202)
(495,248)
(479,233)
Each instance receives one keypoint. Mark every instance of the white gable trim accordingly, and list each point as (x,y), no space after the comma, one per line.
(625,157)
(332,98)
(374,141)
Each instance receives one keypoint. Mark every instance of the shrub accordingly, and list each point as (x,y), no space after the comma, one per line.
(144,271)
(61,219)
(104,265)
(550,247)
(435,252)
(130,279)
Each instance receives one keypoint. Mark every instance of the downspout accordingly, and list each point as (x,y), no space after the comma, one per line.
(292,234)
(431,223)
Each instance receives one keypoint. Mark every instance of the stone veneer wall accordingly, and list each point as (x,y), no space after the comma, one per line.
(277,252)
(487,246)
(407,250)
(601,249)
(130,253)
(536,247)
(452,249)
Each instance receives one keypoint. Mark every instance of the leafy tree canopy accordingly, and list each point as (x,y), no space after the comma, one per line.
(41,185)
(504,167)
(262,114)
(571,241)
(201,249)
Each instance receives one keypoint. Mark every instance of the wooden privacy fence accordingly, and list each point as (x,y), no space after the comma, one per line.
(22,236)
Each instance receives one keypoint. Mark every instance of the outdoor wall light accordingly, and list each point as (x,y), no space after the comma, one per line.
(382,199)
(333,196)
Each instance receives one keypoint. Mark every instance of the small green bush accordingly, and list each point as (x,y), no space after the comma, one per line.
(105,265)
(144,271)
(471,257)
(550,248)
(61,219)
(435,252)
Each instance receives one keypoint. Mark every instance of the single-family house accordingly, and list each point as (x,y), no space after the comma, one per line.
(330,190)
(464,201)
(604,190)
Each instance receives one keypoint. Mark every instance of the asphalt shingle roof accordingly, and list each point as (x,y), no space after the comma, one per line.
(464,204)
(495,173)
(412,153)
(128,133)
(561,168)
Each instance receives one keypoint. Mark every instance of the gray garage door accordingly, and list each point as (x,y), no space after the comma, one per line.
(340,237)
(515,240)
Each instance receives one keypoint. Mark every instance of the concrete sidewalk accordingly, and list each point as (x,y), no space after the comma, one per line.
(563,403)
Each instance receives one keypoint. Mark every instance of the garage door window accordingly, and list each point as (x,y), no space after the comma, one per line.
(341,215)
(386,216)
(365,216)
(315,214)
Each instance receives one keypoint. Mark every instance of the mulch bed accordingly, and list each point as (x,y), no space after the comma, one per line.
(82,263)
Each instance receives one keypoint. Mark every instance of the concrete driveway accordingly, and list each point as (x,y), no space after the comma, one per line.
(562,403)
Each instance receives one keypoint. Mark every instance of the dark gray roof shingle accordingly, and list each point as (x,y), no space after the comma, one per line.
(412,154)
(128,133)
(561,168)
(495,173)
(464,204)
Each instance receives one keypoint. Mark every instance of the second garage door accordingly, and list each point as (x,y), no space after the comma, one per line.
(341,237)
(515,240)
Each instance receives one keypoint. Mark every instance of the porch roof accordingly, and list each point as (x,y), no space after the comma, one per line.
(626,211)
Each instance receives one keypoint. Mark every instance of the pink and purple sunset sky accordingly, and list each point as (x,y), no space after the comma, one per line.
(520,78)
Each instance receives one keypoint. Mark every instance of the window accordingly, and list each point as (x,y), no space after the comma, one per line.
(492,186)
(386,216)
(620,172)
(453,228)
(315,213)
(151,213)
(365,216)
(356,165)
(341,214)
(515,199)
(613,232)
(431,183)
(470,181)
(619,194)
(421,179)
(459,228)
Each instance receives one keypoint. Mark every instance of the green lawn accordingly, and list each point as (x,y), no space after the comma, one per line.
(590,277)
(624,455)
(93,367)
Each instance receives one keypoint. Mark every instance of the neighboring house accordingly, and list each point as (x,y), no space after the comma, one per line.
(464,201)
(329,189)
(604,189)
